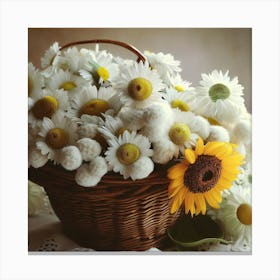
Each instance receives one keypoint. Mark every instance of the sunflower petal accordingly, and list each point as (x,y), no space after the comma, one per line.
(189,203)
(210,200)
(177,170)
(200,204)
(211,147)
(177,201)
(190,156)
(174,187)
(199,147)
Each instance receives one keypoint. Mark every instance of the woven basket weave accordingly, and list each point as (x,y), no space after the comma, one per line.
(117,214)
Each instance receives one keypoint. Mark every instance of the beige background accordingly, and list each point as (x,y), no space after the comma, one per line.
(200,50)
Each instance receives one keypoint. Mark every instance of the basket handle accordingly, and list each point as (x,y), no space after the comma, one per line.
(131,48)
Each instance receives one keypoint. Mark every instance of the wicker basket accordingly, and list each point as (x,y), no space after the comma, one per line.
(117,214)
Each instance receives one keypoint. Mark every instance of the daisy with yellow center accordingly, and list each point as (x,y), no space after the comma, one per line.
(129,154)
(99,67)
(176,82)
(46,103)
(218,97)
(202,176)
(93,102)
(113,126)
(138,85)
(59,135)
(66,81)
(178,100)
(235,216)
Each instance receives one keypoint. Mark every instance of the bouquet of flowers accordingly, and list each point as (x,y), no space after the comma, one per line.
(94,113)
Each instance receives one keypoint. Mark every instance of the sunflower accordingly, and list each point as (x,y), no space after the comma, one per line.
(202,176)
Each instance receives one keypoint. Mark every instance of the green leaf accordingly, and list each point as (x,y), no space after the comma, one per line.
(190,232)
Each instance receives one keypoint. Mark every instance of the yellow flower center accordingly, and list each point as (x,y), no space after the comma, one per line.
(95,107)
(181,105)
(128,153)
(219,91)
(57,138)
(103,73)
(140,89)
(120,131)
(69,85)
(244,214)
(30,86)
(45,107)
(179,88)
(179,133)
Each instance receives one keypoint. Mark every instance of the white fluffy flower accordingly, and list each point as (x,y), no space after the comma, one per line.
(89,175)
(138,85)
(70,157)
(242,132)
(219,97)
(89,148)
(130,155)
(56,133)
(218,133)
(35,158)
(36,199)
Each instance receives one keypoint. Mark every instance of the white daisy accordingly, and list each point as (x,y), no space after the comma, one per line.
(219,97)
(169,132)
(113,126)
(180,85)
(130,155)
(67,81)
(100,68)
(93,102)
(35,80)
(164,64)
(138,85)
(178,100)
(46,103)
(50,61)
(235,215)
(58,133)
(73,60)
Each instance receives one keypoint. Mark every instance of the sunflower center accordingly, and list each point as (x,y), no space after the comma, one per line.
(57,138)
(45,107)
(179,133)
(179,88)
(95,107)
(181,105)
(69,85)
(121,130)
(140,89)
(219,91)
(244,214)
(103,73)
(203,174)
(128,153)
